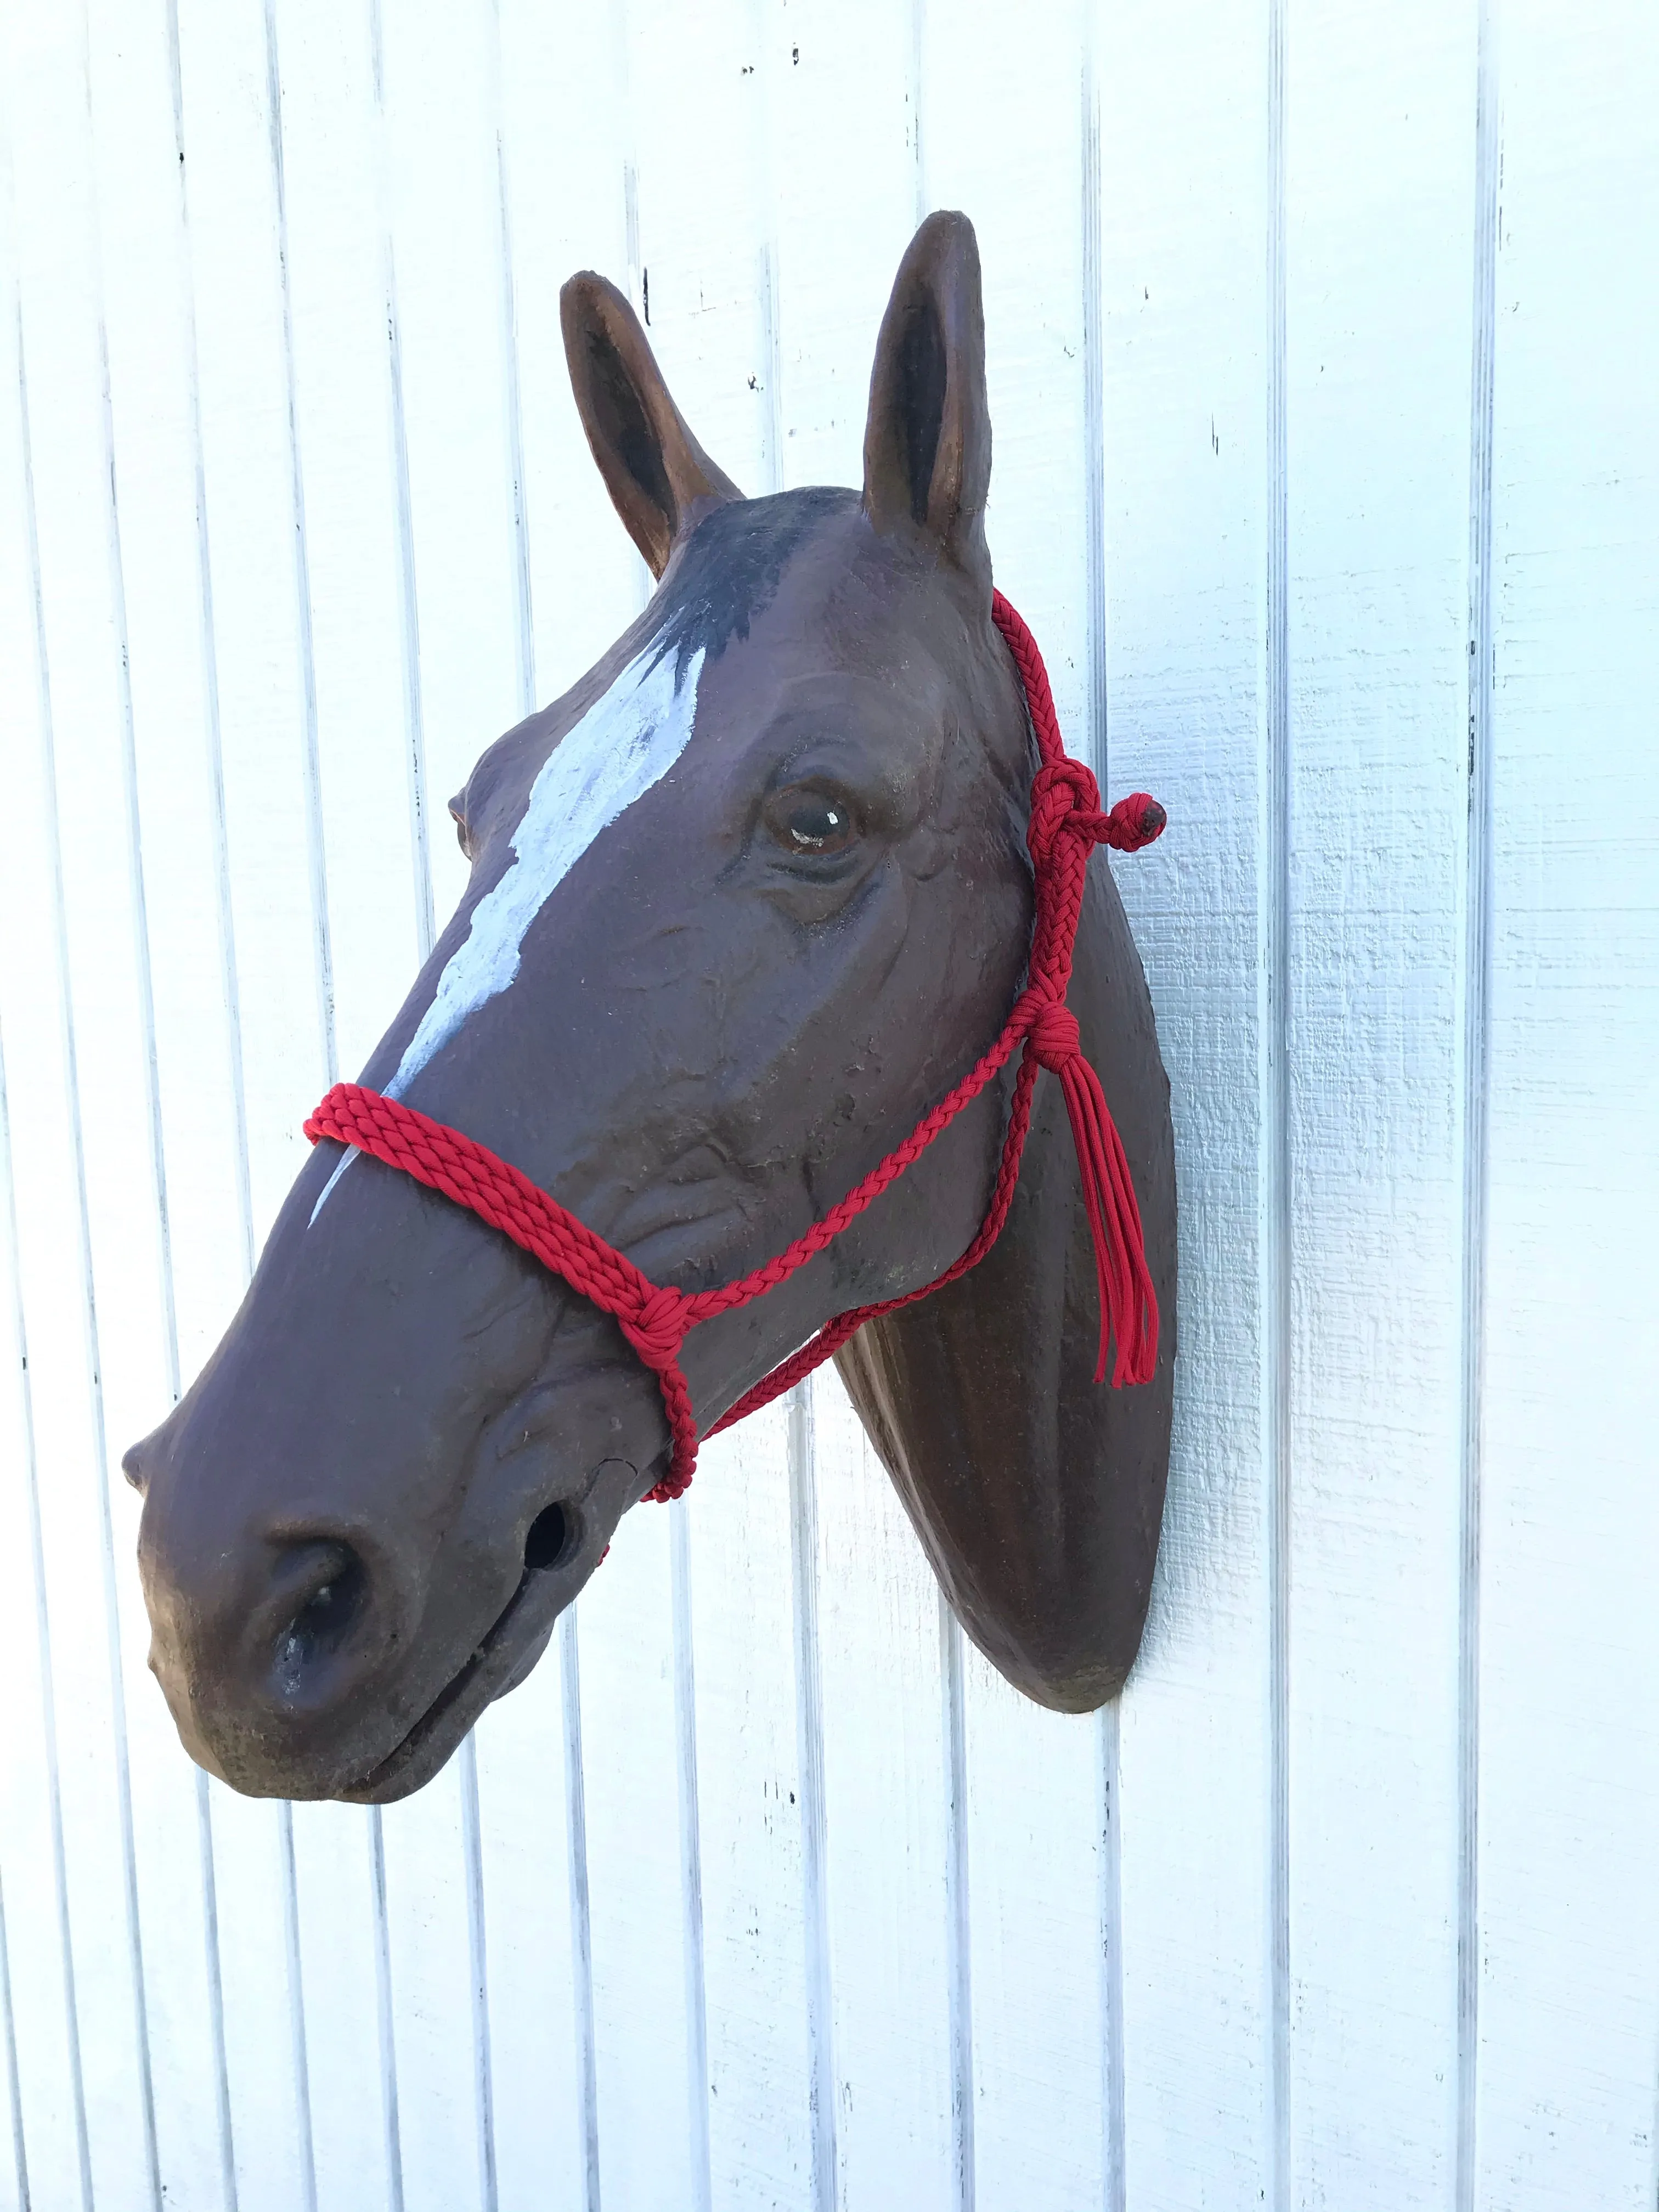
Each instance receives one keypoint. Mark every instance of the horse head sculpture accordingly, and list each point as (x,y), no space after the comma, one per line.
(745,903)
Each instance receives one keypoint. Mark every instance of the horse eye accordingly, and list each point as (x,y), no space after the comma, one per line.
(813,822)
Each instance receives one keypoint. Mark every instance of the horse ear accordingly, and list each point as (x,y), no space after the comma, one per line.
(660,480)
(927,439)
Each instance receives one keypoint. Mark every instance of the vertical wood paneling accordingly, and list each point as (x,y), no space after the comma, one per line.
(565,136)
(1475,1135)
(805,1562)
(762,1891)
(1380,141)
(885,1783)
(638,1909)
(49,2118)
(1273,1197)
(137,294)
(20,2165)
(189,985)
(1185,254)
(1570,1755)
(84,939)
(535,2046)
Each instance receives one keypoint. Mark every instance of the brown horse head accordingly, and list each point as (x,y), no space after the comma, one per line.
(745,903)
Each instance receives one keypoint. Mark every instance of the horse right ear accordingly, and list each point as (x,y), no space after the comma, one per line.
(927,439)
(660,480)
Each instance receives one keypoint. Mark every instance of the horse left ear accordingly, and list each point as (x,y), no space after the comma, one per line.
(927,439)
(660,479)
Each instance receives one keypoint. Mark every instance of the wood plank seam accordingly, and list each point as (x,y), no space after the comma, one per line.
(224,912)
(89,1324)
(413,705)
(323,957)
(1475,1134)
(316,859)
(685,1736)
(1094,750)
(959,2000)
(210,657)
(1274,1166)
(290,1895)
(802,1469)
(385,2014)
(511,407)
(19,2163)
(482,2080)
(958,1935)
(37,1550)
(801,1449)
(94,1358)
(581,1929)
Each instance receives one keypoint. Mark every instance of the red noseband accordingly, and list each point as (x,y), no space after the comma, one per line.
(1066,824)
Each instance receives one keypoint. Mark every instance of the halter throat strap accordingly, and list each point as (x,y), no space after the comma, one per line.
(1065,824)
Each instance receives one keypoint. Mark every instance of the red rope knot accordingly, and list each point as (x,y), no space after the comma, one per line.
(658,1328)
(1053,1037)
(1064,797)
(1135,821)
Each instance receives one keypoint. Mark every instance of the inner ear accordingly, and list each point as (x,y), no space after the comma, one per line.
(621,423)
(927,437)
(661,482)
(920,397)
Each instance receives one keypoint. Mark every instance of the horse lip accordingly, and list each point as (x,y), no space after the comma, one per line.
(541,1596)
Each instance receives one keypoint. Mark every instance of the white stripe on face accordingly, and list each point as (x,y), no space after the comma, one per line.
(626,742)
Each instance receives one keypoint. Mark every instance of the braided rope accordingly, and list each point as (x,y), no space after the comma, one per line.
(1065,824)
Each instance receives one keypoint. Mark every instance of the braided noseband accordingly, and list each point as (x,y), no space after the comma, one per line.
(1066,824)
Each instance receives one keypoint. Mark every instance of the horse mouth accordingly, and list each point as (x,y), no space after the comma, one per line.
(506,1653)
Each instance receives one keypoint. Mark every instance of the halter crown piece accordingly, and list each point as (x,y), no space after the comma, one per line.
(1066,824)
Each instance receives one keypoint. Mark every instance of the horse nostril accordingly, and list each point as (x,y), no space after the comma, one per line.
(133,1467)
(335,1589)
(552,1537)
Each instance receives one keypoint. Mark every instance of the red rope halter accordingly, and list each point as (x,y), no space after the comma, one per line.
(1065,824)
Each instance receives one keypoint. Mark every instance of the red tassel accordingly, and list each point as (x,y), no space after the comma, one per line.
(1129,1304)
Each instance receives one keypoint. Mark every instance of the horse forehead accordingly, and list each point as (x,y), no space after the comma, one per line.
(753,689)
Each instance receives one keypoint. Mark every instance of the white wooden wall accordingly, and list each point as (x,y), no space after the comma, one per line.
(1322,351)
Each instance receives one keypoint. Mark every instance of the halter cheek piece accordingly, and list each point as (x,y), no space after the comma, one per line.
(1065,824)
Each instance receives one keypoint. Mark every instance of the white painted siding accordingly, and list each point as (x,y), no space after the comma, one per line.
(1323,343)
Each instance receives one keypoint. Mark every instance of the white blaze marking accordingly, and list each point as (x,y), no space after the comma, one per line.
(627,741)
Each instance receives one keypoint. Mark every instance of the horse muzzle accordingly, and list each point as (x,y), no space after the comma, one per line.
(331,1656)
